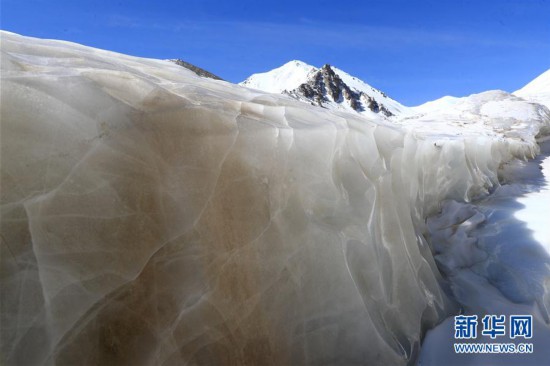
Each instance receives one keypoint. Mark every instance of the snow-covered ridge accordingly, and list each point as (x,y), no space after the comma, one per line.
(493,113)
(327,86)
(152,216)
(286,77)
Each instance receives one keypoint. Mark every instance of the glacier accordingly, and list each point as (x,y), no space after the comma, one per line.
(151,216)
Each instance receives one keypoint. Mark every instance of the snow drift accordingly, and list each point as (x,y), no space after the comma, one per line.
(152,216)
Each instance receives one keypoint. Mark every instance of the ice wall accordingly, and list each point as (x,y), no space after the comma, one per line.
(150,216)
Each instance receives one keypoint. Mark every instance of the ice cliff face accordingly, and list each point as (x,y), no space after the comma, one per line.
(151,216)
(326,87)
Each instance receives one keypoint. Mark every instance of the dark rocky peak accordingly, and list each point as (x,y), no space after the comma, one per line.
(325,85)
(197,70)
(327,70)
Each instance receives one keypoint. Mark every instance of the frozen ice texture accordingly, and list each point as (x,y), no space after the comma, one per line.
(151,216)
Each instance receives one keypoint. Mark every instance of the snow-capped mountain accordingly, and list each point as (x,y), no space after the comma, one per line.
(327,86)
(537,90)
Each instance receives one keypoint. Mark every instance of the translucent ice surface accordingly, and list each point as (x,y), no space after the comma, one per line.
(151,216)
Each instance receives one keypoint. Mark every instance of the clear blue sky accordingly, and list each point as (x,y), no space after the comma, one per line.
(414,50)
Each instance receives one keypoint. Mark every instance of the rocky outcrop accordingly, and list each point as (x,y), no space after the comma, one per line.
(197,70)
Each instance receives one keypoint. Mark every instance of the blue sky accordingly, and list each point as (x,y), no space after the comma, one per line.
(415,51)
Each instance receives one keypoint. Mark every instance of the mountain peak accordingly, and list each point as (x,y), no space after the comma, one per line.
(285,77)
(326,87)
(297,63)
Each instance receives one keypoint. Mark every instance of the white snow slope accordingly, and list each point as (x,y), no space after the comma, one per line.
(537,90)
(151,216)
(446,102)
